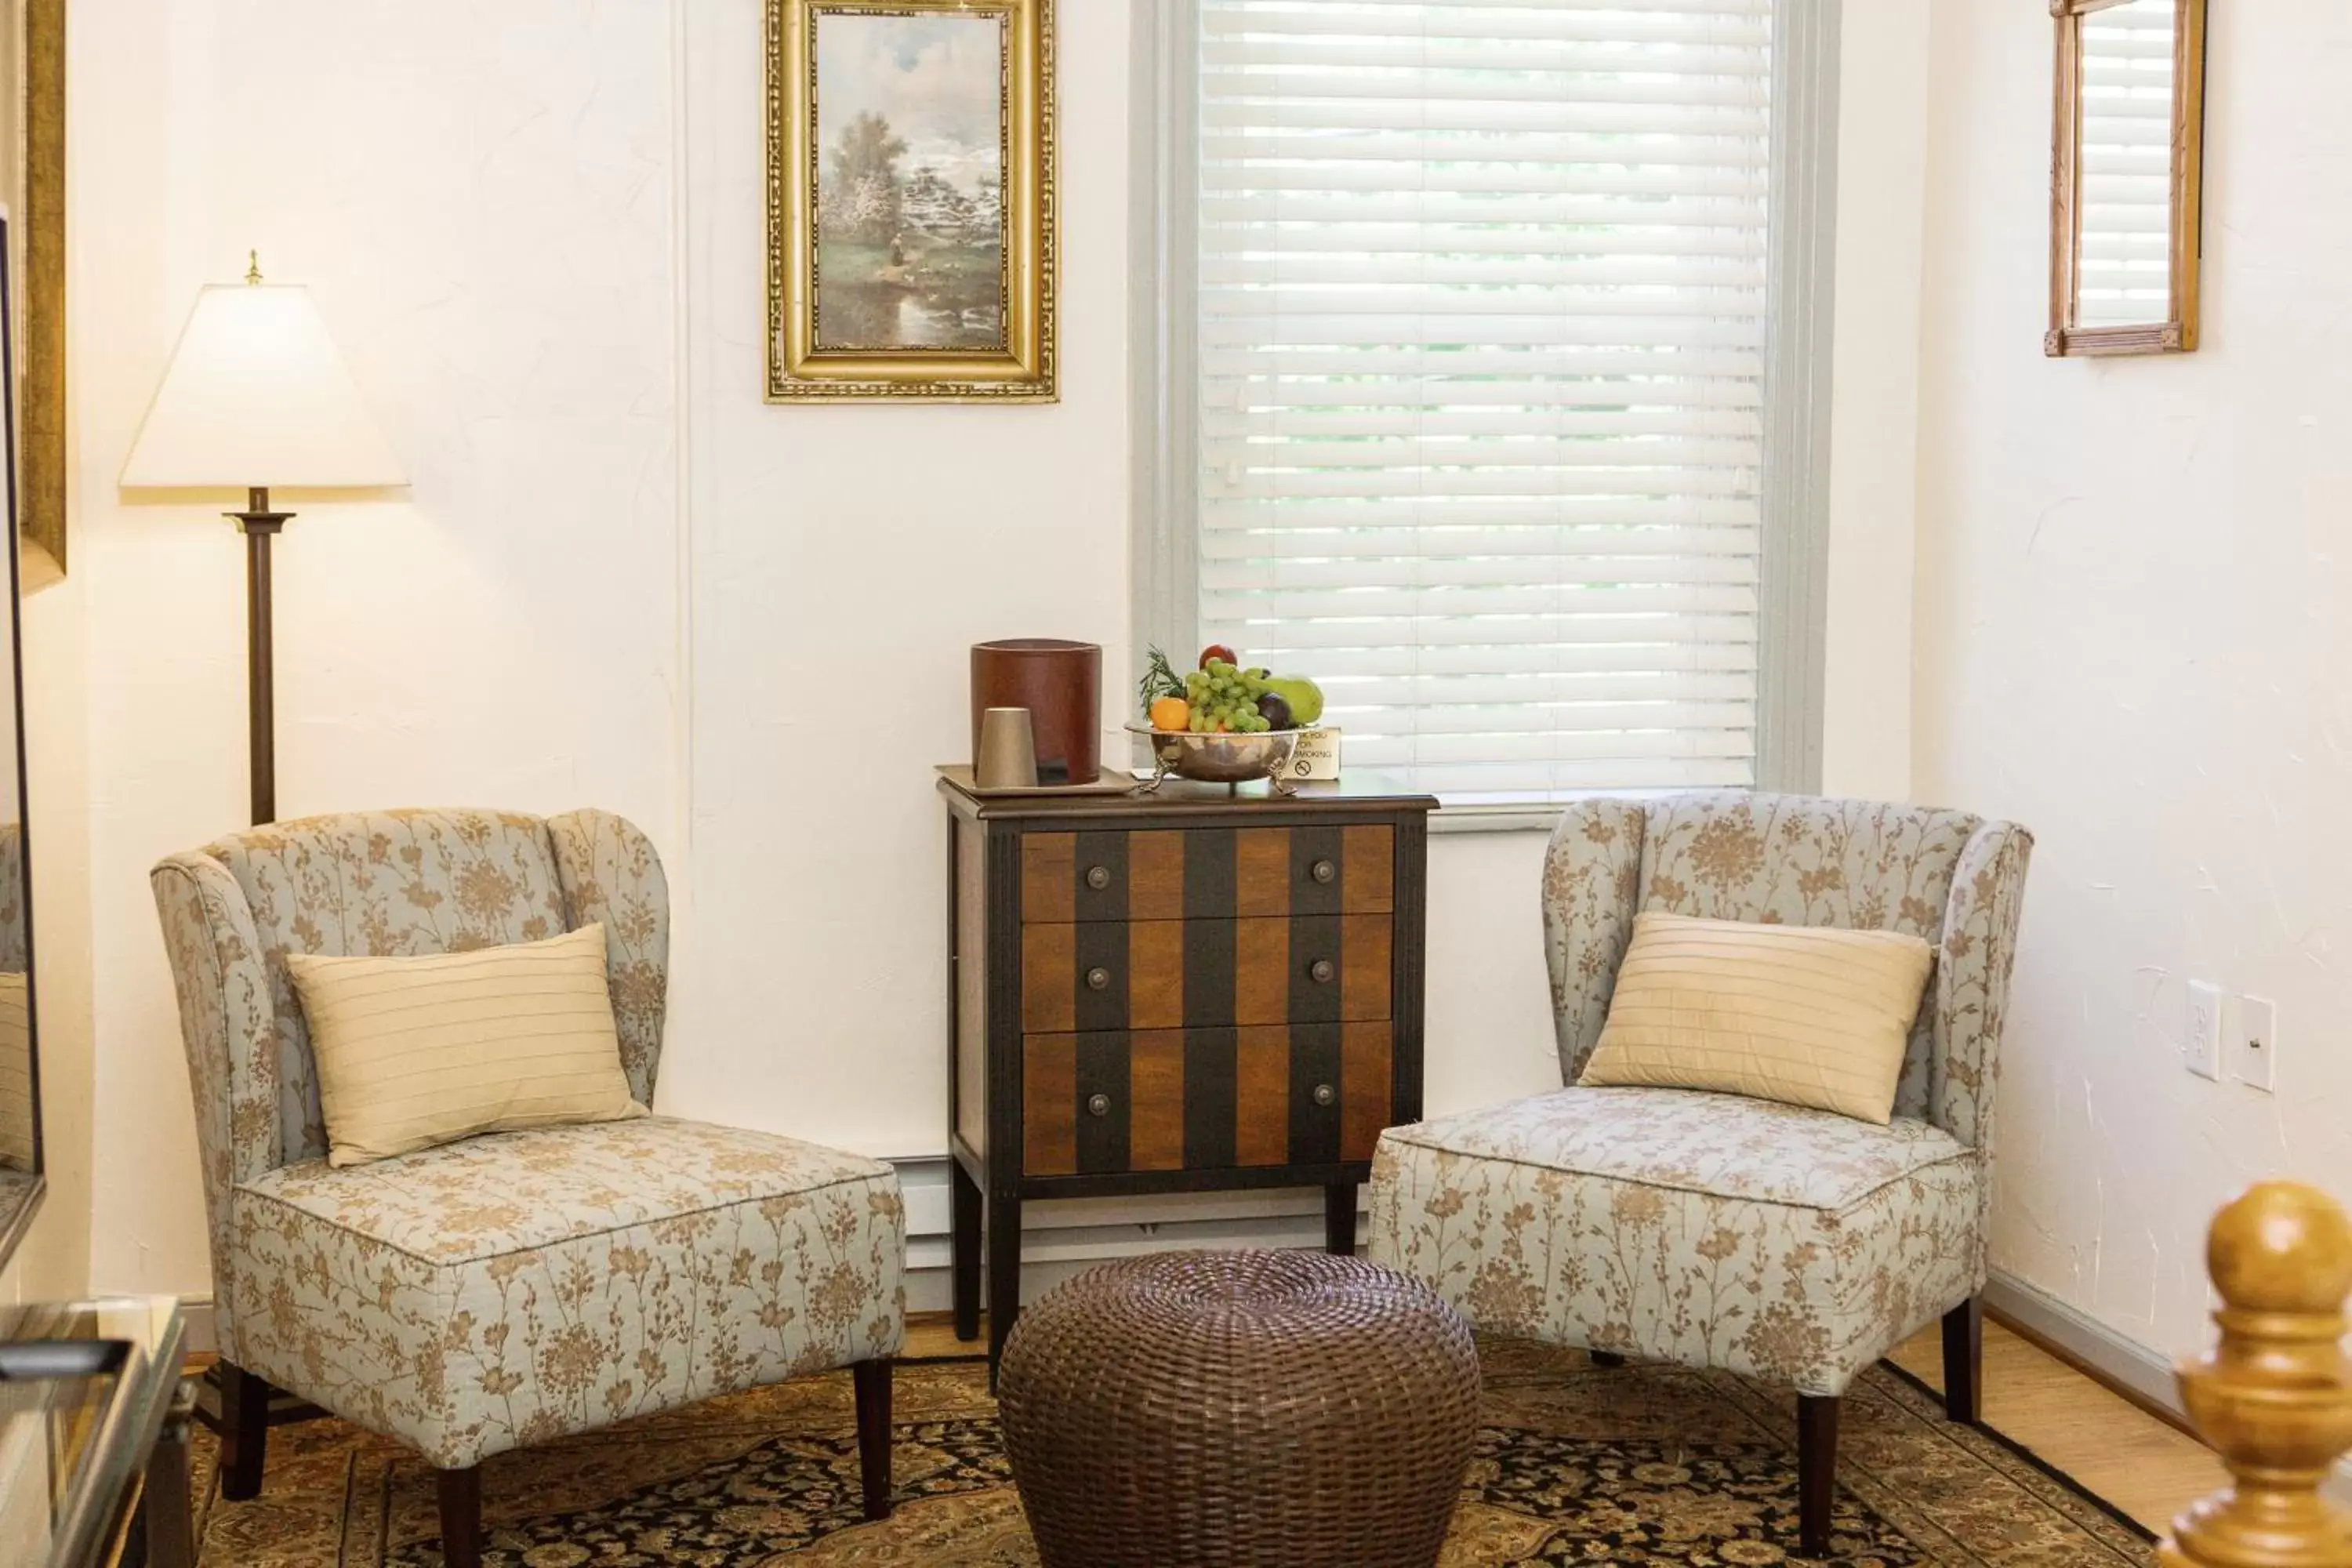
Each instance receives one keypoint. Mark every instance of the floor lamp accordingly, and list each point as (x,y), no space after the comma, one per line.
(257,396)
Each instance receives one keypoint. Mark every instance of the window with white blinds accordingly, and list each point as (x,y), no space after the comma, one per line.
(2124,276)
(1479,305)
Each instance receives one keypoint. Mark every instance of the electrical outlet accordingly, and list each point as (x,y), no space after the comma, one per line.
(2204,1038)
(2253,1044)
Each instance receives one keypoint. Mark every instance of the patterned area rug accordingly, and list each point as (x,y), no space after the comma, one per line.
(1576,1465)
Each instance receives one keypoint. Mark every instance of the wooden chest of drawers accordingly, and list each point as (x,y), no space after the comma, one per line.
(1182,992)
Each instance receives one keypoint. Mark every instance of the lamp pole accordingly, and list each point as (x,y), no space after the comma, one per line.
(260,525)
(255,389)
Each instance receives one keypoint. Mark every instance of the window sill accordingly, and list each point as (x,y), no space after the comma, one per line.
(1526,815)
(1495,818)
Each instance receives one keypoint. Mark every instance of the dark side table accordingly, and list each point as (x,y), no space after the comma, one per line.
(1190,991)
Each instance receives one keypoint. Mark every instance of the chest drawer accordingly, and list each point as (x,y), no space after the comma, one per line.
(1194,990)
(1166,974)
(1112,1101)
(1207,873)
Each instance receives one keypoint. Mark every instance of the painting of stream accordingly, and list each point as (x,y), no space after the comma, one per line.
(910,181)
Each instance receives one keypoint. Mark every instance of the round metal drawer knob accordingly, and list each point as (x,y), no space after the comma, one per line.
(1325,872)
(1097,877)
(1098,1106)
(1097,979)
(1326,1095)
(1321,971)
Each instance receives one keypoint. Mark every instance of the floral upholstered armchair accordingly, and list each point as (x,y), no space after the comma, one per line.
(1793,1245)
(511,1289)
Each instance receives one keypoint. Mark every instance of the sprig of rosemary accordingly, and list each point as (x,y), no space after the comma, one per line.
(1159,679)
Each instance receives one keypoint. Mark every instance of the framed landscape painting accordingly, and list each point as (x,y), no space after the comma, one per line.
(911,226)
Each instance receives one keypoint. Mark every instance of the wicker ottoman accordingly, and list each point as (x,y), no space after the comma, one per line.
(1283,1409)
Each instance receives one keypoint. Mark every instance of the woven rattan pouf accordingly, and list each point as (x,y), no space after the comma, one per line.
(1224,1409)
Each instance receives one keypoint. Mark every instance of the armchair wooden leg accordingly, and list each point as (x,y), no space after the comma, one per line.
(1964,1361)
(873,1380)
(461,1517)
(1817,1438)
(244,1432)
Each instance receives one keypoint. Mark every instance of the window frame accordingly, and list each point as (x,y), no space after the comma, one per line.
(1793,567)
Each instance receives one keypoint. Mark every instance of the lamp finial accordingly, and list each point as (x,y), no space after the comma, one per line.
(252,267)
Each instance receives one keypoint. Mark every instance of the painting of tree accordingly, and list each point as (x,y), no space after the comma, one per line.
(909,210)
(865,180)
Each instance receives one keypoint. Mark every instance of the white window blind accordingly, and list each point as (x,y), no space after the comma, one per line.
(1480,372)
(2126,272)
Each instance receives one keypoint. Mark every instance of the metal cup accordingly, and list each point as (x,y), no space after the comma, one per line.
(1008,751)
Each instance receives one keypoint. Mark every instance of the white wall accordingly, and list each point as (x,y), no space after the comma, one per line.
(2132,585)
(845,560)
(482,199)
(2126,608)
(622,578)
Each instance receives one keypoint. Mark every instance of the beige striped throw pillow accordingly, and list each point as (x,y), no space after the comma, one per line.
(1803,1015)
(412,1052)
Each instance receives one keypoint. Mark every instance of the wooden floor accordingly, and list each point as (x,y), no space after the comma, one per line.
(2143,1466)
(930,1336)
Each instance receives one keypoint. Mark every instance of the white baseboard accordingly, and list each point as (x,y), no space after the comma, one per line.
(197,1313)
(1060,1238)
(2125,1363)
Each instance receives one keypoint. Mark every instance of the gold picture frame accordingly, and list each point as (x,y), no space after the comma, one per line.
(33,189)
(911,243)
(2113,319)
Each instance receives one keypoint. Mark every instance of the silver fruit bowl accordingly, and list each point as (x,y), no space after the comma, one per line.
(1226,759)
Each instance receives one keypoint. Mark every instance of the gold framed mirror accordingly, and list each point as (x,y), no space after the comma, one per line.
(2127,176)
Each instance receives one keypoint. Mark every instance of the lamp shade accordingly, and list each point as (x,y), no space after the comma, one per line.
(257,395)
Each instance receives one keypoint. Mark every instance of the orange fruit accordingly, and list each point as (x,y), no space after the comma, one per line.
(1171,714)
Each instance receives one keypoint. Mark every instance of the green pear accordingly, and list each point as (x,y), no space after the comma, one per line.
(1306,698)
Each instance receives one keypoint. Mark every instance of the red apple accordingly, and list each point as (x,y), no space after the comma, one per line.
(1217,650)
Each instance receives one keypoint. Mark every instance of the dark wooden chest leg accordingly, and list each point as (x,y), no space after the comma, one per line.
(1003,1275)
(1340,1220)
(244,1432)
(873,1380)
(1817,1442)
(461,1517)
(1964,1361)
(963,1249)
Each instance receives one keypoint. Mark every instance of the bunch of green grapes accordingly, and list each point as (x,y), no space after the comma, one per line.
(1225,699)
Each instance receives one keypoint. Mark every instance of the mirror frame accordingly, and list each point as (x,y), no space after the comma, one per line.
(2066,337)
(15,1223)
(33,187)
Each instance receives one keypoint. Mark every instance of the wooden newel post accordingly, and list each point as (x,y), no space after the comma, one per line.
(2275,1397)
